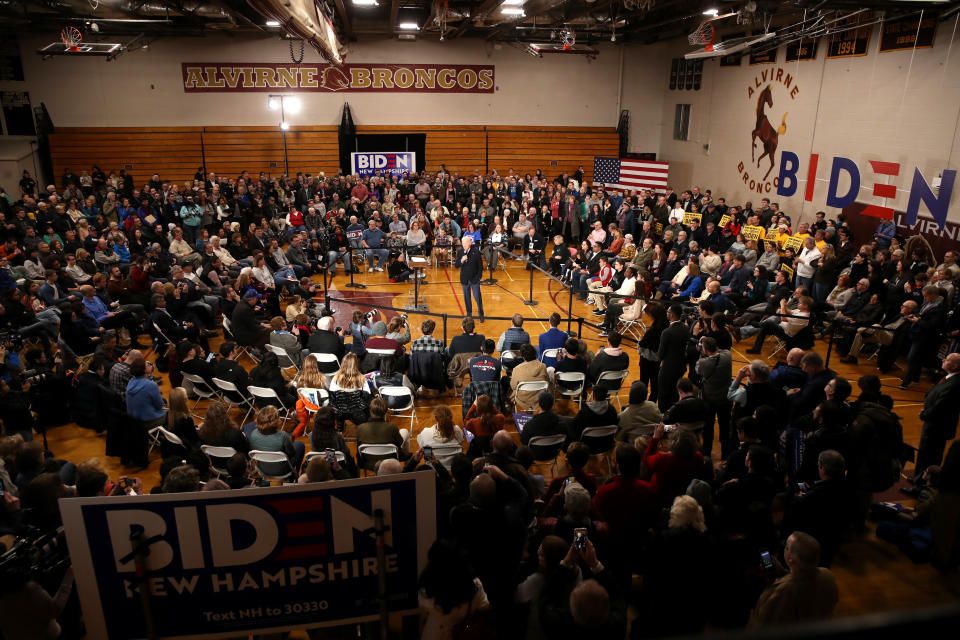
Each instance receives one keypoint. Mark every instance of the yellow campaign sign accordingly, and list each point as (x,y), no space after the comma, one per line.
(793,242)
(692,217)
(658,228)
(753,233)
(787,270)
(724,219)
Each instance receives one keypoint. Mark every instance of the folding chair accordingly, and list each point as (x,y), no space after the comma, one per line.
(232,397)
(161,334)
(569,390)
(83,362)
(377,452)
(272,457)
(407,410)
(616,377)
(510,359)
(228,332)
(552,443)
(550,353)
(781,347)
(201,389)
(326,358)
(445,453)
(265,396)
(282,355)
(600,441)
(535,385)
(633,328)
(159,433)
(213,452)
(382,352)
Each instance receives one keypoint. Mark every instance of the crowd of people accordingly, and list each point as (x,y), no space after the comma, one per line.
(98,270)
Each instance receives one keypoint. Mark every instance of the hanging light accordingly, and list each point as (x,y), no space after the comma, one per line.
(292,104)
(273,103)
(285,125)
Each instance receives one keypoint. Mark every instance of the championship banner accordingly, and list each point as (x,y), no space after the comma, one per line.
(236,77)
(753,233)
(793,242)
(226,563)
(724,219)
(393,163)
(689,217)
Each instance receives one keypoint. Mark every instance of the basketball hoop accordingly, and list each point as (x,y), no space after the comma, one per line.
(703,36)
(71,37)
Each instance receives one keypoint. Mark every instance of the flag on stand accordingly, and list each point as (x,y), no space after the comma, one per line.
(624,173)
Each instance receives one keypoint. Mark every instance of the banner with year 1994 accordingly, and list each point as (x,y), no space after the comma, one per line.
(269,559)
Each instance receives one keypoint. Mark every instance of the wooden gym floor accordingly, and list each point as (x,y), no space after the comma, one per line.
(873,575)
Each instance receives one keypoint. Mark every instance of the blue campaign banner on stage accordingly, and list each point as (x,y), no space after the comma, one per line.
(270,559)
(392,163)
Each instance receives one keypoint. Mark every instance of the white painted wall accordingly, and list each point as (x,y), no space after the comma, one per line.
(145,87)
(899,107)
(16,155)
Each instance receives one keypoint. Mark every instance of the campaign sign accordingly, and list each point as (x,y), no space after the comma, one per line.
(268,559)
(392,163)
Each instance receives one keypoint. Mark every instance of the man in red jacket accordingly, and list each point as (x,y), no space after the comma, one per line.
(628,505)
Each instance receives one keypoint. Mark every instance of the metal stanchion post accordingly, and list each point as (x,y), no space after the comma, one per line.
(352,284)
(530,302)
(580,327)
(830,344)
(569,308)
(444,328)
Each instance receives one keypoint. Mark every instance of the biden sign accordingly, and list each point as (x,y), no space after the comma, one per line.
(388,163)
(225,563)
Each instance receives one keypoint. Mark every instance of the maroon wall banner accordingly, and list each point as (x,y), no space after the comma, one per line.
(940,240)
(238,77)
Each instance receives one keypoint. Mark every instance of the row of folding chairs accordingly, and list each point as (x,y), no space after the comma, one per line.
(600,441)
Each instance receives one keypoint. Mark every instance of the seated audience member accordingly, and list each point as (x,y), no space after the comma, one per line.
(545,422)
(378,430)
(689,412)
(325,340)
(482,420)
(553,338)
(673,470)
(269,437)
(570,361)
(484,367)
(443,433)
(578,455)
(682,549)
(466,342)
(788,374)
(630,506)
(280,337)
(821,509)
(786,325)
(641,416)
(610,358)
(595,413)
(450,590)
(227,368)
(143,398)
(269,375)
(326,437)
(806,594)
(530,370)
(514,337)
(735,464)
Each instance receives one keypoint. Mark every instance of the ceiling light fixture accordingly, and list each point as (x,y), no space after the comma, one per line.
(713,13)
(292,104)
(365,3)
(285,125)
(272,23)
(409,26)
(513,3)
(512,11)
(273,104)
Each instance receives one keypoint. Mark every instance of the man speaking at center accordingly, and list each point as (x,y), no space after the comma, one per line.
(471,267)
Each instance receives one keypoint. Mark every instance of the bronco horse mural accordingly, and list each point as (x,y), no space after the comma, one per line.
(765,131)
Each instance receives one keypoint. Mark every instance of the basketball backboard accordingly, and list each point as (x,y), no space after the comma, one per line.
(82,49)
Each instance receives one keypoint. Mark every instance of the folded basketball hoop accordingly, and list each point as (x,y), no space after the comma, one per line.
(71,37)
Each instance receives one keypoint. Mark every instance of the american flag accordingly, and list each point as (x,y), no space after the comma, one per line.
(623,173)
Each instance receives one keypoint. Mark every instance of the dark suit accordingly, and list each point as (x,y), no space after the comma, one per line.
(470,272)
(327,342)
(231,371)
(246,328)
(940,414)
(925,335)
(672,352)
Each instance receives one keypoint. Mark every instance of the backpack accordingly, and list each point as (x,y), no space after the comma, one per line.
(881,441)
